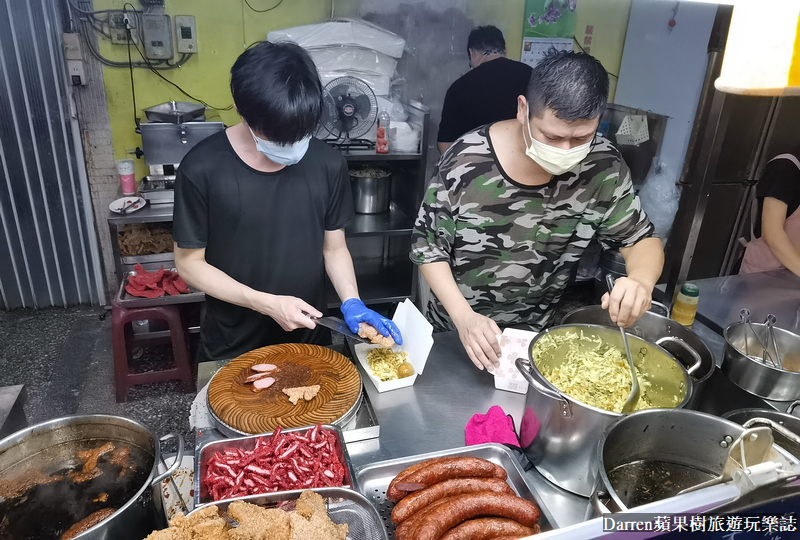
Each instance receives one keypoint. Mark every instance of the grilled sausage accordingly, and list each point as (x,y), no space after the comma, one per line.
(413,502)
(453,468)
(394,494)
(536,531)
(463,507)
(487,528)
(405,531)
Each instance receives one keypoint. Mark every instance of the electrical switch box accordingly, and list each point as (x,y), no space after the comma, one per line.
(118,22)
(157,36)
(186,32)
(72,46)
(77,73)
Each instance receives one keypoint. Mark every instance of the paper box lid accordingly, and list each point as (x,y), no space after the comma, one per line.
(417,334)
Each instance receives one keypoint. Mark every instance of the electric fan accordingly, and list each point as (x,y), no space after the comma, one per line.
(349,111)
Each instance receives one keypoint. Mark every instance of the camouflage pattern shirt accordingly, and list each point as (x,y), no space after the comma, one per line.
(513,248)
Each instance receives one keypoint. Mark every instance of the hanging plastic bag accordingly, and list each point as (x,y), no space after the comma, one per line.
(659,197)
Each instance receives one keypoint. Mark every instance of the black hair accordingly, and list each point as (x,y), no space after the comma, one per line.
(277,91)
(486,39)
(573,85)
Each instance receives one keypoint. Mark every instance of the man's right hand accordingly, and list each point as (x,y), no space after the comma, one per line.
(479,336)
(289,312)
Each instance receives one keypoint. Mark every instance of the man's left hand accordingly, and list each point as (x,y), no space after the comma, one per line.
(354,312)
(628,301)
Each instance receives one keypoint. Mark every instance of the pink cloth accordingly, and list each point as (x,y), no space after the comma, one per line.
(493,427)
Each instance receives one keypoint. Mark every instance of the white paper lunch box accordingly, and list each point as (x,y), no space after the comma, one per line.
(417,342)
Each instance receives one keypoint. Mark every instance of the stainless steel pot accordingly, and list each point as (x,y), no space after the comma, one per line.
(691,445)
(742,362)
(558,433)
(786,420)
(51,445)
(370,190)
(684,344)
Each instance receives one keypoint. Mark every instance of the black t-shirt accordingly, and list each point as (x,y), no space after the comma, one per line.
(779,180)
(265,230)
(485,95)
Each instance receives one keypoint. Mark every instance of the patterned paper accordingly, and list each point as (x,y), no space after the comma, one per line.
(514,344)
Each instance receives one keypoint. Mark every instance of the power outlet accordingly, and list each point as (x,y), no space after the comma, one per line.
(186,33)
(118,28)
(77,73)
(157,36)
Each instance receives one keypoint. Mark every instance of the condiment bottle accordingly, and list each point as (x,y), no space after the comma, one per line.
(382,139)
(684,308)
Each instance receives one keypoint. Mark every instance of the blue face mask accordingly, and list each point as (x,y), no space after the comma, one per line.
(287,154)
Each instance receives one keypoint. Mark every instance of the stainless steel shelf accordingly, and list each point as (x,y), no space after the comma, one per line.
(392,222)
(151,213)
(380,283)
(371,155)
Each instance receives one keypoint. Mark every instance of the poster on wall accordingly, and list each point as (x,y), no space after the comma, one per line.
(548,23)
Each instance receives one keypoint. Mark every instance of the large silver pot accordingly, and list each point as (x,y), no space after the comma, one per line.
(638,450)
(558,433)
(684,344)
(747,370)
(51,446)
(370,190)
(787,420)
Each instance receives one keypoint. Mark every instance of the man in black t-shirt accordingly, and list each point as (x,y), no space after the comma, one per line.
(260,211)
(488,93)
(776,219)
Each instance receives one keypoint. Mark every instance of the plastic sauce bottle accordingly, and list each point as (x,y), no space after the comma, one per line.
(382,139)
(684,308)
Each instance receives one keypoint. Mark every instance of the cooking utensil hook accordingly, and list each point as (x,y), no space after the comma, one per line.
(633,397)
(744,314)
(770,323)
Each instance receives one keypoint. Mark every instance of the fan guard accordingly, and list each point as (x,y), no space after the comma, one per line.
(349,108)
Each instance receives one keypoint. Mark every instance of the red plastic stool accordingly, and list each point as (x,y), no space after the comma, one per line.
(121,319)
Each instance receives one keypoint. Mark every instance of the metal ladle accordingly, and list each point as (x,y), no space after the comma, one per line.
(744,314)
(633,397)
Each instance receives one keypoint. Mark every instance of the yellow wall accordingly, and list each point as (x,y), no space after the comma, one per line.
(224,29)
(507,15)
(610,21)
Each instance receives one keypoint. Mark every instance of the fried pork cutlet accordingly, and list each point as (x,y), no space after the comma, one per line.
(206,524)
(367,331)
(310,520)
(257,523)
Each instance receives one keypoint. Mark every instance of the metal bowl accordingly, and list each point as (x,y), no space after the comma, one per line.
(744,366)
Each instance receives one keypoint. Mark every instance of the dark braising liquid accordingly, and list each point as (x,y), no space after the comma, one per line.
(46,511)
(643,482)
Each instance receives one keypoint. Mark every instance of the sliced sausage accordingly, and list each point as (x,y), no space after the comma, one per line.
(487,528)
(463,507)
(453,468)
(414,502)
(394,494)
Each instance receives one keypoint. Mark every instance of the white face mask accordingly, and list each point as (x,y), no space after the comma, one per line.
(287,154)
(554,160)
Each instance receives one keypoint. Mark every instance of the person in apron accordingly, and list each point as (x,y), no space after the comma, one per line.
(778,244)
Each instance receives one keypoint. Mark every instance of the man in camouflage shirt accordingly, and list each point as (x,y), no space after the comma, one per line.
(513,205)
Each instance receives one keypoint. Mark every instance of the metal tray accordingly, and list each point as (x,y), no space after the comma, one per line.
(344,506)
(174,112)
(248,443)
(374,479)
(127,300)
(230,431)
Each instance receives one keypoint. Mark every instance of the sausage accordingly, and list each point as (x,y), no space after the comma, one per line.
(463,507)
(412,503)
(486,529)
(392,493)
(405,531)
(453,468)
(514,537)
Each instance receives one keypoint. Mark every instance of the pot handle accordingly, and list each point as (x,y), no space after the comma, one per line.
(597,503)
(524,367)
(775,426)
(790,409)
(175,464)
(685,346)
(661,306)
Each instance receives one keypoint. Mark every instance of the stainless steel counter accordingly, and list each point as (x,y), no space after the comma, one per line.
(776,292)
(431,416)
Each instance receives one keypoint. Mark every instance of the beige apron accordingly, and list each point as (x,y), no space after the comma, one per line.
(758,257)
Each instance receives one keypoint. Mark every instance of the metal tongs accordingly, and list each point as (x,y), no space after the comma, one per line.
(744,314)
(633,397)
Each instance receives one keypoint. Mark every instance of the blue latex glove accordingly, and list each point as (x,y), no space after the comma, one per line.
(355,312)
